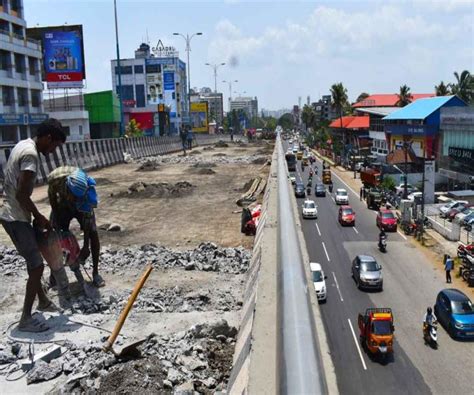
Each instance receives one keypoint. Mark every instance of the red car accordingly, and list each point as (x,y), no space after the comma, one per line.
(346,216)
(386,220)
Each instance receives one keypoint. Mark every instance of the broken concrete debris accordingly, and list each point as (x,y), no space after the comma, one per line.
(218,159)
(141,189)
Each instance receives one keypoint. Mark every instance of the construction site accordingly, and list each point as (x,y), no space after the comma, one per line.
(178,216)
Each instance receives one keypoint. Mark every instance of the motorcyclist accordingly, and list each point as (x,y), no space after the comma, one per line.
(310,172)
(382,236)
(429,319)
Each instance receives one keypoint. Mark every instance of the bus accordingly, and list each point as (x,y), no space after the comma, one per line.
(291,161)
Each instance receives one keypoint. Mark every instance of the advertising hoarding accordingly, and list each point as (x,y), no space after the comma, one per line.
(154,88)
(199,120)
(63,55)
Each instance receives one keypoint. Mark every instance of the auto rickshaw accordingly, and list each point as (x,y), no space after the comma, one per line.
(299,155)
(376,331)
(326,176)
(305,160)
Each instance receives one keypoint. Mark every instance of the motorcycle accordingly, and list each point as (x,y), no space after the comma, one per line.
(464,250)
(430,333)
(467,266)
(383,244)
(308,190)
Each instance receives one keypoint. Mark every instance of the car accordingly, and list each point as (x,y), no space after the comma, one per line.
(468,222)
(455,312)
(455,211)
(386,220)
(367,273)
(400,189)
(300,191)
(319,282)
(359,166)
(293,179)
(295,150)
(290,141)
(341,196)
(310,210)
(320,190)
(463,214)
(446,208)
(414,196)
(346,216)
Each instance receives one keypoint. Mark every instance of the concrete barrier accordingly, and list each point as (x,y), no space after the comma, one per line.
(95,154)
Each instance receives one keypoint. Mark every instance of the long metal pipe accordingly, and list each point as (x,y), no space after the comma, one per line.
(301,368)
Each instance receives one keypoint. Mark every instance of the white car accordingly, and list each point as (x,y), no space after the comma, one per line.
(310,210)
(401,188)
(319,280)
(293,180)
(414,195)
(341,196)
(459,218)
(445,209)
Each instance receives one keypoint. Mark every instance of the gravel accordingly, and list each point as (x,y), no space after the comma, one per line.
(219,159)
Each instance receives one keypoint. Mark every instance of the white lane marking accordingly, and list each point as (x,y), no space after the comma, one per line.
(355,229)
(337,286)
(401,234)
(357,344)
(317,227)
(326,251)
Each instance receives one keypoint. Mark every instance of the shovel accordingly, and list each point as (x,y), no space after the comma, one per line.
(129,350)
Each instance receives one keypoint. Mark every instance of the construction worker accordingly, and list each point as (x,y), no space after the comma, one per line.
(72,195)
(18,208)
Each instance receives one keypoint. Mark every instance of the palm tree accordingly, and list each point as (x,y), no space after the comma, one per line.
(308,116)
(463,86)
(362,96)
(404,97)
(339,100)
(441,89)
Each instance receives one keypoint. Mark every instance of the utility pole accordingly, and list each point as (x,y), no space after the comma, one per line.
(215,66)
(122,129)
(405,186)
(187,39)
(230,89)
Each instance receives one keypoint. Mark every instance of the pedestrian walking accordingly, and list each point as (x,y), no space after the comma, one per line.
(364,192)
(231,134)
(189,138)
(182,135)
(17,211)
(448,266)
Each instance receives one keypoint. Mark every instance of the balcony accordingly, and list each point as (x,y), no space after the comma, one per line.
(17,39)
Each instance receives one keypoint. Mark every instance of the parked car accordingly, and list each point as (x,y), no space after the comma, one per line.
(367,273)
(386,220)
(341,196)
(320,190)
(401,188)
(468,222)
(319,281)
(455,211)
(445,209)
(300,191)
(310,210)
(293,179)
(414,196)
(455,312)
(346,215)
(459,217)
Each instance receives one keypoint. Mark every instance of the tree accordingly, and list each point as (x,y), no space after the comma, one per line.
(404,97)
(463,87)
(308,116)
(286,121)
(388,182)
(133,129)
(362,96)
(441,89)
(339,100)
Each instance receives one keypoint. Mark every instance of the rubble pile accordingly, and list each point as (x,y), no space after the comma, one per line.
(142,189)
(218,159)
(206,257)
(156,300)
(221,144)
(149,165)
(11,262)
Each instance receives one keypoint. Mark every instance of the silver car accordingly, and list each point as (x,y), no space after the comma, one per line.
(367,272)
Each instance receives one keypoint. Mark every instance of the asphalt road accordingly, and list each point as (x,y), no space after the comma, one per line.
(410,285)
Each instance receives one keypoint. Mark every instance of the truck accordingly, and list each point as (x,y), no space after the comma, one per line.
(373,198)
(291,161)
(370,177)
(376,331)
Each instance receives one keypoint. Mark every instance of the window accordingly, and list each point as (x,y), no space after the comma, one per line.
(22,94)
(138,69)
(18,31)
(9,134)
(32,65)
(7,95)
(23,132)
(35,98)
(124,70)
(19,63)
(80,130)
(4,60)
(127,92)
(153,68)
(4,28)
(140,93)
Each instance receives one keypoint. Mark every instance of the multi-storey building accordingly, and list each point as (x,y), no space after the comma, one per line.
(21,104)
(248,104)
(324,109)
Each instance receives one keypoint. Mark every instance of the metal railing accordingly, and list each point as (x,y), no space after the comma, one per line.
(301,368)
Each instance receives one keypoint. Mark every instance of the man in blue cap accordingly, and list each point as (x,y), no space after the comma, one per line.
(72,195)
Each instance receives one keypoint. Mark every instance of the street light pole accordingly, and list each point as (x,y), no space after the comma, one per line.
(119,71)
(215,67)
(230,89)
(187,39)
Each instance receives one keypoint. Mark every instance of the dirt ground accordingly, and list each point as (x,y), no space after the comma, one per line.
(189,205)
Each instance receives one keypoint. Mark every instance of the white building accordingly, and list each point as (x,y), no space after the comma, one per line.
(248,104)
(21,104)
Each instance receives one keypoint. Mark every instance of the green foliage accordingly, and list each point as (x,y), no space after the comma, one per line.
(339,97)
(442,89)
(362,96)
(464,86)
(404,96)
(388,182)
(133,129)
(286,121)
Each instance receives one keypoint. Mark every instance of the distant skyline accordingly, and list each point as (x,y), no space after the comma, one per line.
(281,50)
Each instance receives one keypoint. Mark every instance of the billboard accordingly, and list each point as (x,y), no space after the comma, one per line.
(63,55)
(199,119)
(154,88)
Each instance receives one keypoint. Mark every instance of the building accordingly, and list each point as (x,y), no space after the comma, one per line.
(21,106)
(324,109)
(248,104)
(353,132)
(104,114)
(153,83)
(387,99)
(71,112)
(418,124)
(456,145)
(215,105)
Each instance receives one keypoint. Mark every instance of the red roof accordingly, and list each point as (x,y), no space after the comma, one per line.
(387,100)
(351,122)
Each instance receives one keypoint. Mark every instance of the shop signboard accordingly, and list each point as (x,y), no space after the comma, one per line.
(463,155)
(22,119)
(199,120)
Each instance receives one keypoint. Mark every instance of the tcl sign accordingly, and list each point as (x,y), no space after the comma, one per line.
(64,77)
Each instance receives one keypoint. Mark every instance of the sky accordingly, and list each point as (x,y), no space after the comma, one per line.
(281,50)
